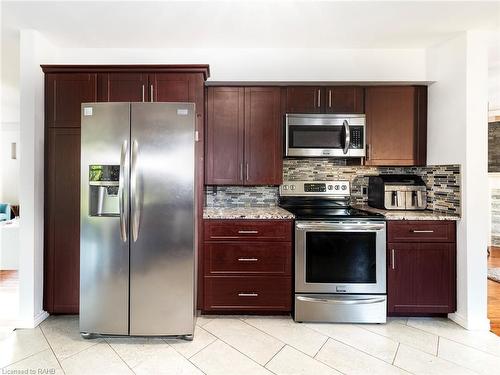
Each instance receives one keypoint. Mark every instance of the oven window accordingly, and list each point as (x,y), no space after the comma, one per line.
(340,257)
(317,136)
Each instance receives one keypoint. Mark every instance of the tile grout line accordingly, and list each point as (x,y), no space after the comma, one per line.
(275,354)
(458,342)
(194,364)
(285,343)
(29,356)
(452,363)
(199,350)
(218,338)
(321,347)
(396,354)
(52,350)
(327,364)
(397,341)
(437,349)
(119,356)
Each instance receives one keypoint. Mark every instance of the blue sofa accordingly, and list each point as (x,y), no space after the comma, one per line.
(5,211)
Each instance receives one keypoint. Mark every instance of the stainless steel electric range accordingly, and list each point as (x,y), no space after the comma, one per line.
(340,256)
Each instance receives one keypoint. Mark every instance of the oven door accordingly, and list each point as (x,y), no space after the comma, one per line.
(340,257)
(324,135)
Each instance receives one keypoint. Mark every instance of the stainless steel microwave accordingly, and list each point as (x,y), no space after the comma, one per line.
(327,135)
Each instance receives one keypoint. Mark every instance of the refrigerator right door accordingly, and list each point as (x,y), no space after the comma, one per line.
(162,219)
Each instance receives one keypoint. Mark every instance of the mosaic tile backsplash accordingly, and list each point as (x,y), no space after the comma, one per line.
(241,196)
(443,184)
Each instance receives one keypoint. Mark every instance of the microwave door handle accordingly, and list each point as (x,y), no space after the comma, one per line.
(347,144)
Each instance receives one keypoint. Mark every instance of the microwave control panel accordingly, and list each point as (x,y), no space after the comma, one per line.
(357,137)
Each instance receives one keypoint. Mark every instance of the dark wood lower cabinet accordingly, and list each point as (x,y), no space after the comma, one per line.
(248,293)
(421,274)
(251,274)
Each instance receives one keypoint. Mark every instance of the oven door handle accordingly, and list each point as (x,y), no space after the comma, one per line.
(333,300)
(341,227)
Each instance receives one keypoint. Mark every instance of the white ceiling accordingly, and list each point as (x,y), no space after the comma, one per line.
(249,24)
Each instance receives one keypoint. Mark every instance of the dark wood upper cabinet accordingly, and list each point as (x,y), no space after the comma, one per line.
(396,125)
(243,136)
(263,155)
(333,99)
(62,220)
(123,87)
(64,94)
(344,99)
(171,87)
(305,99)
(225,127)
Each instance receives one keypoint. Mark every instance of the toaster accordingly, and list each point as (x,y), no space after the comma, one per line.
(397,192)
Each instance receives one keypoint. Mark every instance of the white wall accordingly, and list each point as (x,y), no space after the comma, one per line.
(457,134)
(9,168)
(32,47)
(9,119)
(301,64)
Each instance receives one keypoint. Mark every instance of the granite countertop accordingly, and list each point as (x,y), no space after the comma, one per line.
(410,215)
(274,212)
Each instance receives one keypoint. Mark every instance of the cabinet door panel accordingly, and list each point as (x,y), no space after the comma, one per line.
(344,99)
(123,87)
(305,99)
(62,221)
(64,94)
(391,125)
(263,161)
(421,278)
(225,127)
(171,87)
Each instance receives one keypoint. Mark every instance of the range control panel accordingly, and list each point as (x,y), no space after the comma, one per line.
(315,188)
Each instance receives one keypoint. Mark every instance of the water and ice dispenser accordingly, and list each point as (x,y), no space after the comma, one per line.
(103,190)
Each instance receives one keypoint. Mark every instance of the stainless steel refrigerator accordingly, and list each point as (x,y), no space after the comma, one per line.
(137,260)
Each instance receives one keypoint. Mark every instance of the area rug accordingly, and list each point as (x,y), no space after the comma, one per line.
(494,274)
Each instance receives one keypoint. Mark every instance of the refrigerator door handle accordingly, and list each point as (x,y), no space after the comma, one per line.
(121,193)
(134,192)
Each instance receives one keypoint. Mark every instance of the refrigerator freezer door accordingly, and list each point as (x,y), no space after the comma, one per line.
(104,250)
(162,219)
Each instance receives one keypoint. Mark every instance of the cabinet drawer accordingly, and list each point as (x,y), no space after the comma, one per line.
(421,231)
(259,230)
(248,258)
(242,293)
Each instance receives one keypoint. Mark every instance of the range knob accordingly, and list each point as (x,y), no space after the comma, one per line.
(285,187)
(292,187)
(344,187)
(330,187)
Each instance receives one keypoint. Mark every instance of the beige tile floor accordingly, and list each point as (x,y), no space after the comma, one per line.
(250,345)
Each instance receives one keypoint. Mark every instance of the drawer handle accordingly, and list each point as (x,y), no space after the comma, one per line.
(421,231)
(248,259)
(248,231)
(217,237)
(248,294)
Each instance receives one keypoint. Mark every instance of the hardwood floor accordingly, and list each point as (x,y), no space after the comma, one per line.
(494,292)
(9,293)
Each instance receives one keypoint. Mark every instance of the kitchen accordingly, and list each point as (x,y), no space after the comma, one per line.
(256,194)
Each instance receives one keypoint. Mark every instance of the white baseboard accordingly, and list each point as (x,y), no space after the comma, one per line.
(482,325)
(32,323)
